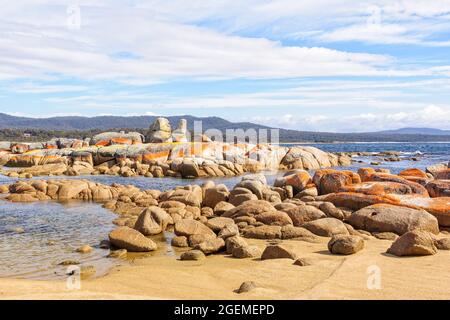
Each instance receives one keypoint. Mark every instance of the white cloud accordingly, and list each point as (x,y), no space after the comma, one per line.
(430,116)
(35,43)
(45,88)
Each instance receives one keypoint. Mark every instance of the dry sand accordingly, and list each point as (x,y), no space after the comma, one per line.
(330,277)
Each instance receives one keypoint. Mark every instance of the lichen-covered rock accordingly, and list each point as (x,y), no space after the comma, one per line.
(331,181)
(299,180)
(386,177)
(380,188)
(180,134)
(160,131)
(356,201)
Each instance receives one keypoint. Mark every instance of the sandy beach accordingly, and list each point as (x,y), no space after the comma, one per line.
(330,277)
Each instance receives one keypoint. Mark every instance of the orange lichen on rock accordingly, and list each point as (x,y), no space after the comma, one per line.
(330,180)
(124,141)
(379,188)
(439,207)
(357,201)
(151,157)
(102,143)
(413,172)
(417,188)
(299,180)
(365,173)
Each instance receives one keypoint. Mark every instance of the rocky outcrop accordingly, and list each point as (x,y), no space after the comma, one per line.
(120,138)
(164,153)
(180,133)
(212,219)
(159,132)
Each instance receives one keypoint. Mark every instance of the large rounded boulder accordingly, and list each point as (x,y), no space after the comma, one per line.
(131,240)
(390,218)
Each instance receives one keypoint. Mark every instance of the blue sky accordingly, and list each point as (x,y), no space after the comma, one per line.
(308,65)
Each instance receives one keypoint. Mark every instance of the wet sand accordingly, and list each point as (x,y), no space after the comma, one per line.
(330,277)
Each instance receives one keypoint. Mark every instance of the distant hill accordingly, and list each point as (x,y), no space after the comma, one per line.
(427,131)
(12,128)
(109,122)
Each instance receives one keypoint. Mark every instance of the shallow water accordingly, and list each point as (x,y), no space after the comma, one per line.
(50,233)
(70,225)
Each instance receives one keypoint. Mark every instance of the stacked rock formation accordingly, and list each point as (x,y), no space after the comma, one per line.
(160,131)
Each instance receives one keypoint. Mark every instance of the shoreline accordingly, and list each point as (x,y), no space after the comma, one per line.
(300,214)
(330,277)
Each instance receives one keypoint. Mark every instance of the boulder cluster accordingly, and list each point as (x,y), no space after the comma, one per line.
(345,206)
(167,153)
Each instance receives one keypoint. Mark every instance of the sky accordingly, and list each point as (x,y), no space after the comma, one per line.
(316,65)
